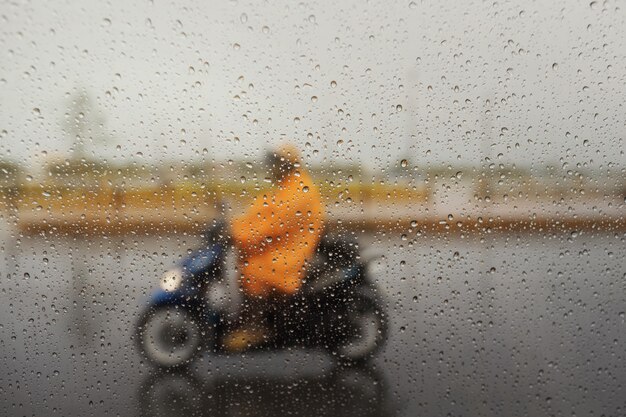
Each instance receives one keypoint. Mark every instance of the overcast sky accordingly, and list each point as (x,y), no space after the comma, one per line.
(448,82)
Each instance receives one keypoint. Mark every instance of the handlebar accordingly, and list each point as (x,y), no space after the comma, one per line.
(218,232)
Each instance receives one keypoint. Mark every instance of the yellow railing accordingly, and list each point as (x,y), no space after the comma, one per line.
(104,208)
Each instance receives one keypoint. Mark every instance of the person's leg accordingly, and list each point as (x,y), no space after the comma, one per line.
(253,310)
(251,329)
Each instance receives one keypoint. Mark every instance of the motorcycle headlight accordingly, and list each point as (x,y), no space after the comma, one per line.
(172,279)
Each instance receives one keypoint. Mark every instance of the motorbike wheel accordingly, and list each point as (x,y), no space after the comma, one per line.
(169,337)
(365,331)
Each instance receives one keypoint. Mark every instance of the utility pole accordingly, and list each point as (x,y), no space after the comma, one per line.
(412,111)
(484,179)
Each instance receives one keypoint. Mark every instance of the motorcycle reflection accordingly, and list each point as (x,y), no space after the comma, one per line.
(343,391)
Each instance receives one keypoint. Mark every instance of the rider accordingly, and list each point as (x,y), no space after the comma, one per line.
(275,237)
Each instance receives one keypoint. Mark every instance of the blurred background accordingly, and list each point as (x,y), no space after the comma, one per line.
(479,146)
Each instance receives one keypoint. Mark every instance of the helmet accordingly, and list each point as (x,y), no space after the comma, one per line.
(283,159)
(284,154)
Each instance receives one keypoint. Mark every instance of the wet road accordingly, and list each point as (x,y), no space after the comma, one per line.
(506,325)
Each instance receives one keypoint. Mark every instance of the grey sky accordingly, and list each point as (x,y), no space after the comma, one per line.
(185,81)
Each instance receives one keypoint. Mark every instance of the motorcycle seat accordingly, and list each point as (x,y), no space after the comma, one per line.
(328,266)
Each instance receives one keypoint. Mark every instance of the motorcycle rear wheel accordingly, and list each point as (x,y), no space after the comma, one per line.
(366,332)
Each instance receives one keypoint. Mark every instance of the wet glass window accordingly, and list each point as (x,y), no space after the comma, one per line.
(312,208)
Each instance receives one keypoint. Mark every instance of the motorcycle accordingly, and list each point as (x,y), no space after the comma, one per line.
(338,309)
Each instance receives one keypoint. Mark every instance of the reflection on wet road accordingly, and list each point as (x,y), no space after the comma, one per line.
(503,325)
(358,391)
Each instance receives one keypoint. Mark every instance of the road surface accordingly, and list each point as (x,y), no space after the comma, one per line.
(491,325)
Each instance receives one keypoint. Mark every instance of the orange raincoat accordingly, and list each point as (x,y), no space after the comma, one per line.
(278,233)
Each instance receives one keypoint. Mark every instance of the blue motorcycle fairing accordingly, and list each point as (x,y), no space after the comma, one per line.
(201,264)
(180,298)
(203,261)
(161,298)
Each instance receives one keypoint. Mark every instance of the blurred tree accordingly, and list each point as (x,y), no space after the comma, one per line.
(84,123)
(9,172)
(10,177)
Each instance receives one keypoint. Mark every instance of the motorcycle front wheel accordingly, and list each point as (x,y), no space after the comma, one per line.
(169,337)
